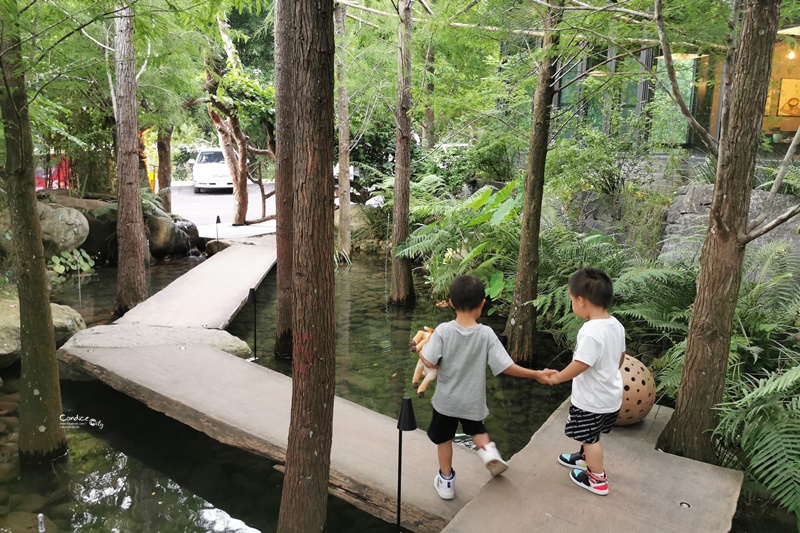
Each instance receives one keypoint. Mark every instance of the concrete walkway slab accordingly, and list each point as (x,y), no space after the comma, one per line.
(254,414)
(228,231)
(209,295)
(649,490)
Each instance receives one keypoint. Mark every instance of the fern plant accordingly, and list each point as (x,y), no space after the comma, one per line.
(764,423)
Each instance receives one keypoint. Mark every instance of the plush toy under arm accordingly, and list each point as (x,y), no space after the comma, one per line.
(421,339)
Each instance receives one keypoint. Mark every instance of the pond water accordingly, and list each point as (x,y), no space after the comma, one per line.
(144,472)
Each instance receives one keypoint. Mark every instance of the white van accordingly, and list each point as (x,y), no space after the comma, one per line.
(210,171)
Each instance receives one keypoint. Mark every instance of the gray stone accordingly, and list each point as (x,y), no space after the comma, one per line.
(66,322)
(63,228)
(8,472)
(166,238)
(32,503)
(687,220)
(216,246)
(128,335)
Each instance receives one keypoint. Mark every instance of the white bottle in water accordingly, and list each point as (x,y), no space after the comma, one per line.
(41,523)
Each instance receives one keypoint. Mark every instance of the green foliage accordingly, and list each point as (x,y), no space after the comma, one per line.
(478,235)
(71,262)
(764,423)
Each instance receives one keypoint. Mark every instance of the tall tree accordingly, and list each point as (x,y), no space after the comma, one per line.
(689,431)
(344,130)
(521,324)
(305,488)
(41,438)
(285,66)
(402,291)
(133,253)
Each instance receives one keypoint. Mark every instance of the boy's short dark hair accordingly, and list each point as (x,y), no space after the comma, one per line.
(467,293)
(594,285)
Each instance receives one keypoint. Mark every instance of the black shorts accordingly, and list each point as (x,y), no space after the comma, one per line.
(586,427)
(443,428)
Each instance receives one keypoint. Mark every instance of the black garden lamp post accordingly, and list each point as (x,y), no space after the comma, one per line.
(406,422)
(251,299)
(218,221)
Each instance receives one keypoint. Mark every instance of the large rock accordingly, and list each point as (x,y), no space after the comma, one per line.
(166,238)
(687,220)
(63,228)
(66,322)
(125,335)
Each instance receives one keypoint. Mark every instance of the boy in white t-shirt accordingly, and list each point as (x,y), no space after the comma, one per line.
(596,380)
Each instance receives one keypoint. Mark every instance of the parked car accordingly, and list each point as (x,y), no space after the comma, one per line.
(210,171)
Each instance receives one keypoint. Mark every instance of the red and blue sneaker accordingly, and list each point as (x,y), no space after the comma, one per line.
(590,481)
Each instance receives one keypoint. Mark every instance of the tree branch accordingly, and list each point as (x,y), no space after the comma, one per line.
(610,8)
(144,65)
(701,132)
(773,192)
(786,216)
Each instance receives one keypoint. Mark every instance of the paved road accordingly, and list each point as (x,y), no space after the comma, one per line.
(203,208)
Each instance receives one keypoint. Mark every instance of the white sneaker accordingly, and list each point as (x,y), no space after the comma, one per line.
(491,458)
(445,487)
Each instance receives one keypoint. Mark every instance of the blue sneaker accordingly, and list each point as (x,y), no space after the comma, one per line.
(573,460)
(590,481)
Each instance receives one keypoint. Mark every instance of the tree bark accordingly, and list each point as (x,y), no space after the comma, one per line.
(41,438)
(164,147)
(133,253)
(344,134)
(284,172)
(689,431)
(521,323)
(230,136)
(305,487)
(402,291)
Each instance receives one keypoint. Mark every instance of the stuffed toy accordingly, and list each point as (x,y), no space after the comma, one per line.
(421,339)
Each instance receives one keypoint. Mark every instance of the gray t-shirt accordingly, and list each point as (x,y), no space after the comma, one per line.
(462,355)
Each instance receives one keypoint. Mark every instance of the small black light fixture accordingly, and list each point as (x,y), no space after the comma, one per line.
(251,300)
(405,422)
(218,221)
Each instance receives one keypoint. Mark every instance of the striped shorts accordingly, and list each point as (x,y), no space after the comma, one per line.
(586,427)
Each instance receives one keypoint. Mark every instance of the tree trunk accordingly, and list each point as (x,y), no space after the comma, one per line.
(689,431)
(284,172)
(41,438)
(164,147)
(402,292)
(521,324)
(344,134)
(133,253)
(429,124)
(305,487)
(231,140)
(144,176)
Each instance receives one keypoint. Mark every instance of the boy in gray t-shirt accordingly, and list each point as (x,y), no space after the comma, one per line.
(461,349)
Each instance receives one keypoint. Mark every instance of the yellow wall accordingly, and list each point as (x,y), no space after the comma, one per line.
(782,67)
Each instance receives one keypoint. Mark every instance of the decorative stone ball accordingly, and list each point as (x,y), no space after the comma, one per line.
(638,394)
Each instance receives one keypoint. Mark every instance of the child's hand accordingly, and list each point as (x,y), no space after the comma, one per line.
(551,377)
(541,377)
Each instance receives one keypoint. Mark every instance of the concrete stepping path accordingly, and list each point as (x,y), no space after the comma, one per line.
(649,490)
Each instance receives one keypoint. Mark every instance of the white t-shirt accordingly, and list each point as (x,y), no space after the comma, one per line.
(462,355)
(601,343)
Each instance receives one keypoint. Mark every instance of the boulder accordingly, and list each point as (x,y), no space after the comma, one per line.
(63,228)
(66,322)
(216,246)
(127,335)
(166,238)
(687,220)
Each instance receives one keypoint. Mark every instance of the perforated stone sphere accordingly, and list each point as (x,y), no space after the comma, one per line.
(638,394)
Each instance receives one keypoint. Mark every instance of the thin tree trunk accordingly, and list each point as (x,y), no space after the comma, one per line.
(305,487)
(344,134)
(41,438)
(164,147)
(144,176)
(402,292)
(521,324)
(689,431)
(429,124)
(231,140)
(133,253)
(284,172)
